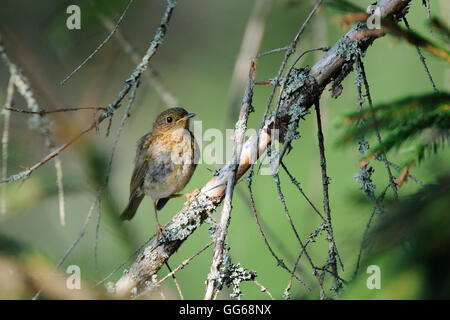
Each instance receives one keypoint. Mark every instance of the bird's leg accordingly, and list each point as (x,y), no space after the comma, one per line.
(188,196)
(159,228)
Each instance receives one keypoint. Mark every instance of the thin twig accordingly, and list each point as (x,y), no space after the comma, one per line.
(366,230)
(184,263)
(262,54)
(279,261)
(44,112)
(175,281)
(309,240)
(360,102)
(422,59)
(250,44)
(288,53)
(152,75)
(264,289)
(241,125)
(291,49)
(5,137)
(100,46)
(326,201)
(297,185)
(385,160)
(120,266)
(397,168)
(97,233)
(59,183)
(302,246)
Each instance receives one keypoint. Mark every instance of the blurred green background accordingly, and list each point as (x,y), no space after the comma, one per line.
(196,63)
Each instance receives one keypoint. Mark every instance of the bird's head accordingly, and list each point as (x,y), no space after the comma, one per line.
(172,119)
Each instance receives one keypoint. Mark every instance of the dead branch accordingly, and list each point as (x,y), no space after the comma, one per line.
(222,230)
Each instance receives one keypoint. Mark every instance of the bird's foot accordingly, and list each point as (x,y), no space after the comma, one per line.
(160,233)
(191,195)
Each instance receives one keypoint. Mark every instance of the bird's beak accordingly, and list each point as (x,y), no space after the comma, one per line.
(186,117)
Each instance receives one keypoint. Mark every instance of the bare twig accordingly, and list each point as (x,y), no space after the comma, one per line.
(385,160)
(319,278)
(184,263)
(422,58)
(241,126)
(264,289)
(44,112)
(97,233)
(279,261)
(120,266)
(59,183)
(297,185)
(5,137)
(152,75)
(100,46)
(366,230)
(396,167)
(326,201)
(250,44)
(266,53)
(175,281)
(302,246)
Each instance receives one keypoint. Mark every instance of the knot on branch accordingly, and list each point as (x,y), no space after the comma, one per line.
(109,111)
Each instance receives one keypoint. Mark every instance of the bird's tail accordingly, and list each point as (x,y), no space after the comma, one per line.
(130,210)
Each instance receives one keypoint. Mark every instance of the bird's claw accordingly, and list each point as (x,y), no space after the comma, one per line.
(191,195)
(160,233)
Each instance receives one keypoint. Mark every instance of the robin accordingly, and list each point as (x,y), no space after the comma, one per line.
(165,160)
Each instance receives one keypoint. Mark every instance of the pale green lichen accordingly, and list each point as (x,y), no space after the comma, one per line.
(295,112)
(364,177)
(296,80)
(19,176)
(349,49)
(213,226)
(231,275)
(363,146)
(190,219)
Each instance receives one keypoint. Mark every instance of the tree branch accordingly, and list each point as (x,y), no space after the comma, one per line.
(241,126)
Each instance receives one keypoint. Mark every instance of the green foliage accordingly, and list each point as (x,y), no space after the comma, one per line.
(423,120)
(421,239)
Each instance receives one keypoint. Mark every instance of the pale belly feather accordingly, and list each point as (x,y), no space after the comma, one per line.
(169,172)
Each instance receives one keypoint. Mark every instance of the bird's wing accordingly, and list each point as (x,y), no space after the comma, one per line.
(141,164)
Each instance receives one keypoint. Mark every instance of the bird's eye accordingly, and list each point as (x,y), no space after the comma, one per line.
(169,119)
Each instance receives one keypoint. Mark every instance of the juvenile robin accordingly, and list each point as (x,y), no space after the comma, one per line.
(165,160)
